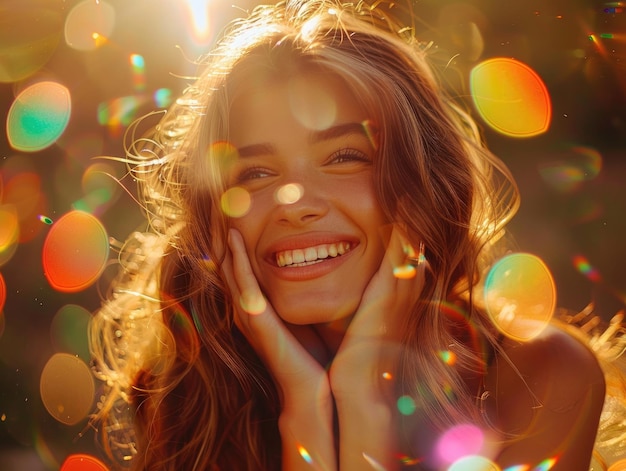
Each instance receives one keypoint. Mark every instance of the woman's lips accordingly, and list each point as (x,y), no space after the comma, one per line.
(309,256)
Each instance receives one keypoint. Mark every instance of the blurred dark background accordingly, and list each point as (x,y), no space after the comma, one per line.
(572,177)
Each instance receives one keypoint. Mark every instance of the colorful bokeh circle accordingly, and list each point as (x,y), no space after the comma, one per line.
(75,252)
(81,462)
(520,296)
(29,35)
(38,116)
(89,24)
(67,388)
(458,442)
(3,293)
(9,232)
(474,463)
(511,97)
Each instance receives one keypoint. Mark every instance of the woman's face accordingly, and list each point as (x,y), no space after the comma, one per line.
(313,231)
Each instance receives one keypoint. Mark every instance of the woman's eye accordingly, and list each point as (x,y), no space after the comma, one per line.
(349,155)
(254,173)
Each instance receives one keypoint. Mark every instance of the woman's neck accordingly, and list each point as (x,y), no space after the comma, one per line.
(331,334)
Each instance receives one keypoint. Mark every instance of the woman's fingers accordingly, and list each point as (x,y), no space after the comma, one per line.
(250,298)
(290,363)
(394,288)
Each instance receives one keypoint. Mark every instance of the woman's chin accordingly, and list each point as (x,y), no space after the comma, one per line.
(317,314)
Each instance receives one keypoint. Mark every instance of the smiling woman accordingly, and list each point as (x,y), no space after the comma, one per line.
(302,252)
(310,295)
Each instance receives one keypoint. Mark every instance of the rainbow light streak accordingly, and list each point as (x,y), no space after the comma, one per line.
(546,465)
(518,467)
(408,461)
(595,40)
(45,219)
(583,266)
(620,37)
(448,357)
(305,454)
(138,65)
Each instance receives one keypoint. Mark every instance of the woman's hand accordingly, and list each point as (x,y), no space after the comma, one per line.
(364,368)
(307,408)
(367,357)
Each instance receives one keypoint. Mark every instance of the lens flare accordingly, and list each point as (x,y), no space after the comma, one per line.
(405,272)
(163,97)
(38,116)
(138,66)
(253,303)
(474,463)
(100,186)
(75,252)
(511,97)
(305,454)
(119,112)
(67,388)
(460,441)
(68,331)
(3,293)
(24,193)
(546,465)
(236,202)
(520,296)
(583,266)
(88,25)
(568,173)
(313,107)
(289,194)
(198,11)
(29,34)
(9,232)
(80,462)
(406,405)
(448,357)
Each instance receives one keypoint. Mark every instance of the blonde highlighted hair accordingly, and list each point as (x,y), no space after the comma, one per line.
(184,389)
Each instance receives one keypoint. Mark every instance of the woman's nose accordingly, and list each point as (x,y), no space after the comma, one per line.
(299,204)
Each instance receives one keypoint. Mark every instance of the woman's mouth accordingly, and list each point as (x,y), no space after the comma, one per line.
(311,255)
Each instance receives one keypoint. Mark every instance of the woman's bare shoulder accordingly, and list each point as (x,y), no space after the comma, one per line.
(556,357)
(546,395)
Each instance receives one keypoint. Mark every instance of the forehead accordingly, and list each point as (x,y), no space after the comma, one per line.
(308,101)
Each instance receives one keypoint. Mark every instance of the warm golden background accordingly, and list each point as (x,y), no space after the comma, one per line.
(115,60)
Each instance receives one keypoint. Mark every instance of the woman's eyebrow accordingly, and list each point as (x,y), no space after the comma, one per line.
(327,134)
(337,131)
(256,149)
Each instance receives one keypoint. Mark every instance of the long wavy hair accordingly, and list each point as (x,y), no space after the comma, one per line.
(183,388)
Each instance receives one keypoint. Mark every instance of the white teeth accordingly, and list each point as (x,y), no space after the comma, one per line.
(322,251)
(298,256)
(311,255)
